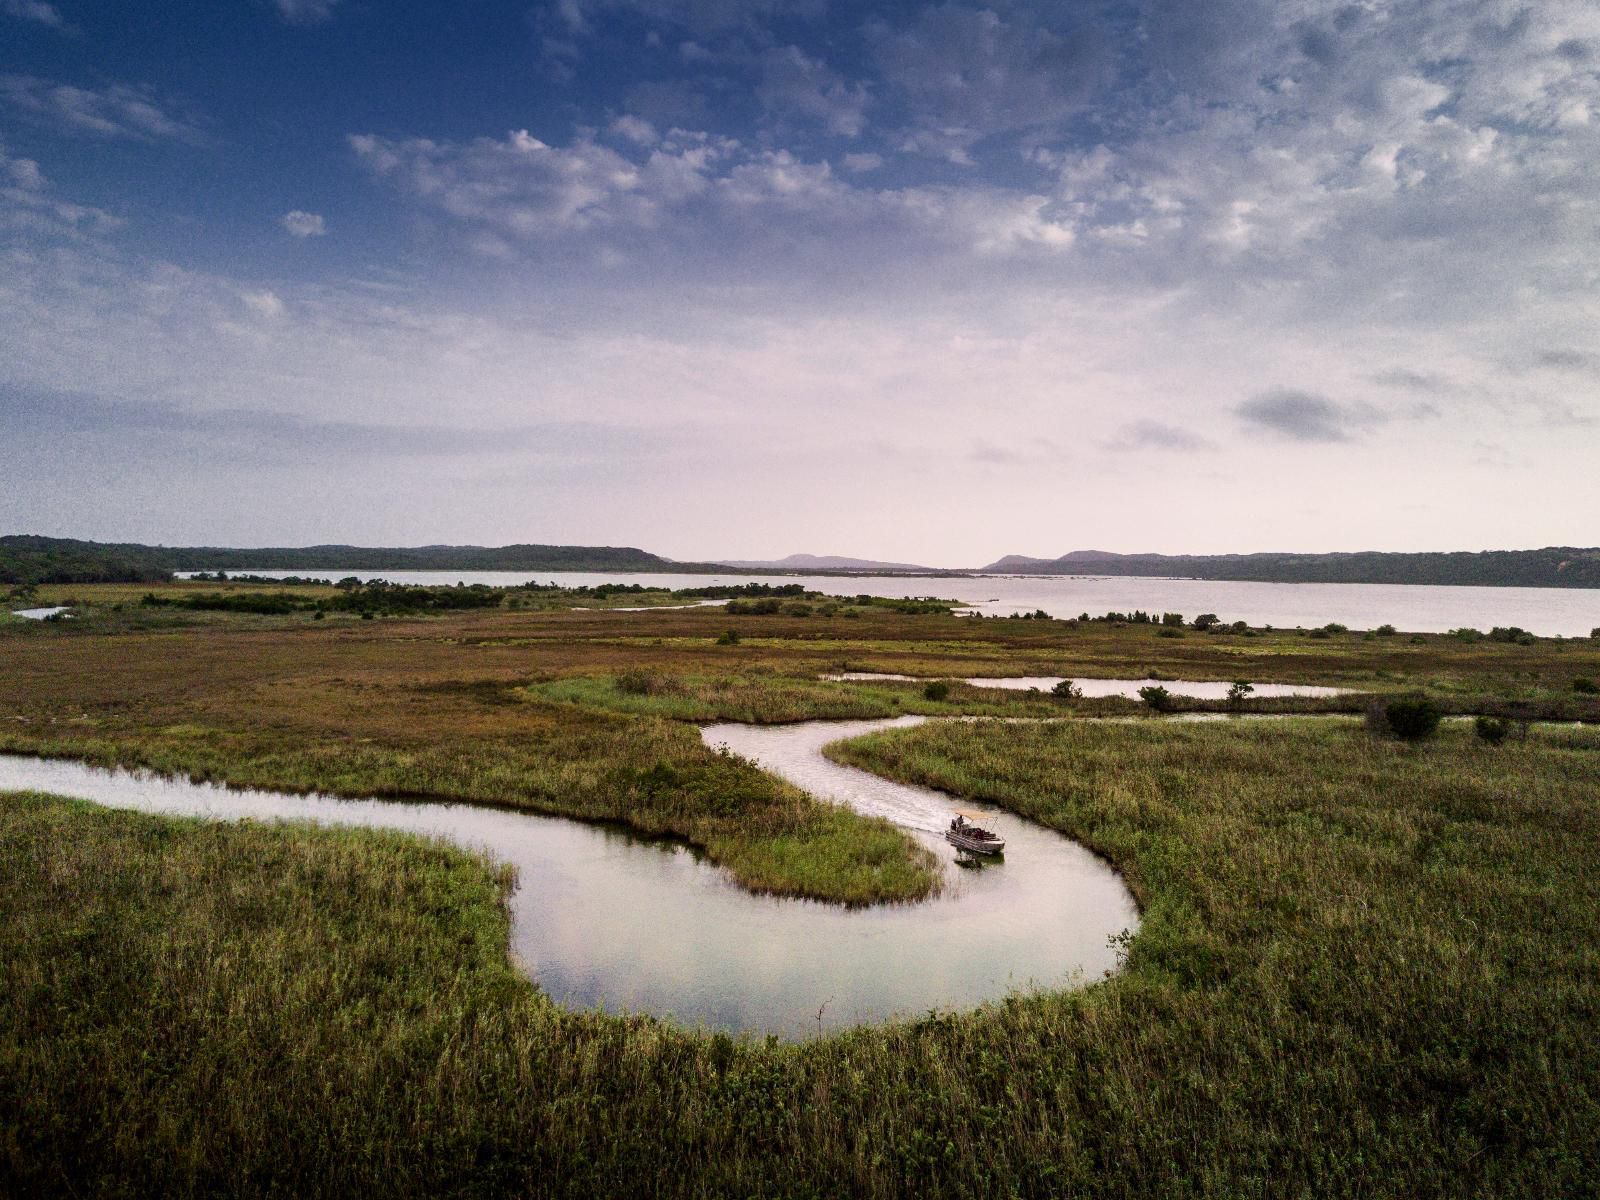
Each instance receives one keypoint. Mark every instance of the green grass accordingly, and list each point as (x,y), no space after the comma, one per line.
(655,776)
(1364,969)
(763,698)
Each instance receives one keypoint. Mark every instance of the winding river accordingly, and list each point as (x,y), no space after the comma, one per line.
(604,919)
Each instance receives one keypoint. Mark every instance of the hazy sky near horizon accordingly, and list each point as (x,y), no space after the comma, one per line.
(737,278)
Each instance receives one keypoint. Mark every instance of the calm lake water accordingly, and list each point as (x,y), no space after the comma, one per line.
(1570,612)
(39,614)
(1199,689)
(603,919)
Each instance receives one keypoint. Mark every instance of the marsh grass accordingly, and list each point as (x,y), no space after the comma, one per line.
(654,776)
(1363,969)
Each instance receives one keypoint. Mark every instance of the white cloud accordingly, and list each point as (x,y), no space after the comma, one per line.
(968,73)
(303,224)
(117,111)
(636,130)
(305,12)
(28,205)
(34,10)
(860,163)
(792,82)
(263,303)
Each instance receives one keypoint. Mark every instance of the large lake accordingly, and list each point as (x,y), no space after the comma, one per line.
(1413,608)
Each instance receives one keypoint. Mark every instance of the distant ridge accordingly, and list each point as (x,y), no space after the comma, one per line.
(31,559)
(1553,566)
(828,562)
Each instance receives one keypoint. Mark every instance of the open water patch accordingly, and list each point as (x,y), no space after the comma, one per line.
(1199,689)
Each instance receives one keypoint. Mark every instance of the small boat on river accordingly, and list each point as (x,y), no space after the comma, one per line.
(974,839)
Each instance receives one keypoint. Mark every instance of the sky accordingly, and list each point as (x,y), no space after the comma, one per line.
(740,278)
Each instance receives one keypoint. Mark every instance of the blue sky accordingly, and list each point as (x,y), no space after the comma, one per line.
(928,282)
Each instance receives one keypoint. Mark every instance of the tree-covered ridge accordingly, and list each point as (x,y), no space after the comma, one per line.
(29,559)
(1553,566)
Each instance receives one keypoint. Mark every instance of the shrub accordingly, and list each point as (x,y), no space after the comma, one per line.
(1205,620)
(639,682)
(728,637)
(1169,633)
(797,610)
(937,690)
(1493,730)
(1511,633)
(1335,627)
(1466,634)
(1238,690)
(1385,631)
(1172,618)
(1067,690)
(1587,686)
(1157,697)
(1320,634)
(1595,633)
(1409,718)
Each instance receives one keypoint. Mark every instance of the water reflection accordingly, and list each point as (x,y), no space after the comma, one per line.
(1199,689)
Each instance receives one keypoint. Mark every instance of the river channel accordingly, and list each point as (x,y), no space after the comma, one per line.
(603,919)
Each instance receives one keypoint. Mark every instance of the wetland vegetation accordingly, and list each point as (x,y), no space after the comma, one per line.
(1364,967)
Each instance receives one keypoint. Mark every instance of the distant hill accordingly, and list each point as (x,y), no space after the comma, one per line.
(1554,566)
(29,559)
(828,562)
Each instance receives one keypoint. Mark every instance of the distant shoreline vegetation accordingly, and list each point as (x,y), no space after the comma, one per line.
(380,597)
(38,560)
(1553,566)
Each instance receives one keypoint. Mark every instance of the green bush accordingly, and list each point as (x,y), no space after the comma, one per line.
(728,637)
(1511,633)
(936,691)
(1385,631)
(1169,633)
(1206,620)
(1157,697)
(1409,718)
(1587,686)
(1493,730)
(1238,690)
(1067,690)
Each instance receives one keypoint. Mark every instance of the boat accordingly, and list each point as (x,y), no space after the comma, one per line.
(974,839)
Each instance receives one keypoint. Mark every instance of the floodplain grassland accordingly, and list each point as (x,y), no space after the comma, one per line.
(585,713)
(1363,969)
(403,708)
